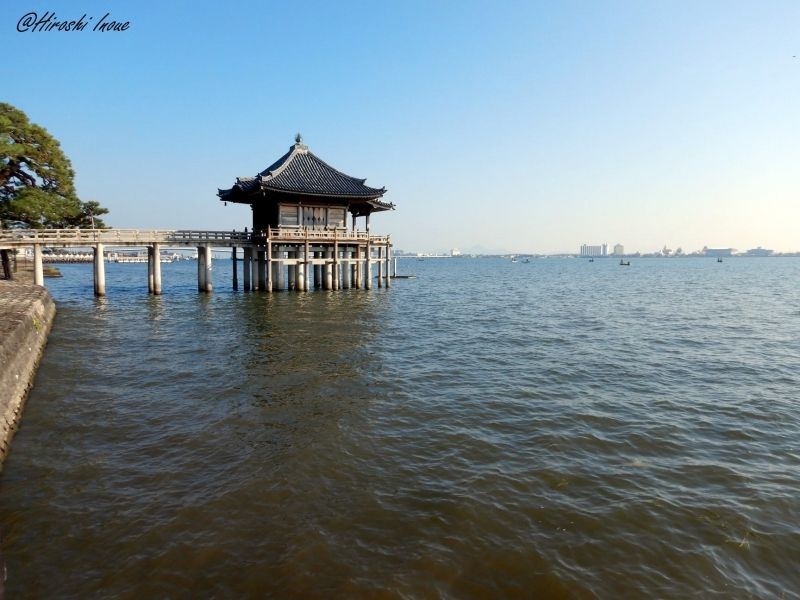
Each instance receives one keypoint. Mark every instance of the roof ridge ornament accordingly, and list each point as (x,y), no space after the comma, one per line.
(299,146)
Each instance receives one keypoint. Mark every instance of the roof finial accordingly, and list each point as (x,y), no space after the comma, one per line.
(298,138)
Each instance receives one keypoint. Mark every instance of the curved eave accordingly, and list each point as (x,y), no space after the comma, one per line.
(372,194)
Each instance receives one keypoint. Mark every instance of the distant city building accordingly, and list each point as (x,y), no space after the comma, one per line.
(619,249)
(455,252)
(759,252)
(717,251)
(587,250)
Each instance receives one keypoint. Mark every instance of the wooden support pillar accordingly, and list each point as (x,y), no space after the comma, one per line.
(38,270)
(157,269)
(201,269)
(235,269)
(269,269)
(99,271)
(248,251)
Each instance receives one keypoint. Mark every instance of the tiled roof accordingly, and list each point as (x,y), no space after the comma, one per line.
(300,171)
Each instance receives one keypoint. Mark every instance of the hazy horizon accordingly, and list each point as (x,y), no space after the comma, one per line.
(528,129)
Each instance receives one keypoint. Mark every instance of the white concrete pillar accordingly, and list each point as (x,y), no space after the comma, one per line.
(336,265)
(359,269)
(317,272)
(282,273)
(201,269)
(291,272)
(368,265)
(246,268)
(261,268)
(149,269)
(235,269)
(388,264)
(207,264)
(395,266)
(327,283)
(157,269)
(380,266)
(269,270)
(254,267)
(345,270)
(300,272)
(307,276)
(99,271)
(38,269)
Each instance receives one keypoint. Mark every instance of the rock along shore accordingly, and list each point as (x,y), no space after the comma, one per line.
(26,315)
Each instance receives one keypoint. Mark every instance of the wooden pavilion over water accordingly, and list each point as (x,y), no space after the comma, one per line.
(300,206)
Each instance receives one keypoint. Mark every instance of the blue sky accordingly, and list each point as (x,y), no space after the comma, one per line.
(515,126)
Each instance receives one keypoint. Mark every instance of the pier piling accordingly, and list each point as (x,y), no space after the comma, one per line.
(235,269)
(157,269)
(99,271)
(247,251)
(38,270)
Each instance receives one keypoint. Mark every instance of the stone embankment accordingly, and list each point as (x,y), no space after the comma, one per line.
(26,315)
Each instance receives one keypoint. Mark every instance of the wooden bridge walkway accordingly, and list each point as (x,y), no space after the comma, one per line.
(275,258)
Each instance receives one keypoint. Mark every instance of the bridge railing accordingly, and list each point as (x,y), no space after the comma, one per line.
(132,237)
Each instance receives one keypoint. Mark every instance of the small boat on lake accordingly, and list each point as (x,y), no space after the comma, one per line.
(623,263)
(719,259)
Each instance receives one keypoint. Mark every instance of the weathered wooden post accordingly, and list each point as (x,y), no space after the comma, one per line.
(38,270)
(247,251)
(157,269)
(235,269)
(99,271)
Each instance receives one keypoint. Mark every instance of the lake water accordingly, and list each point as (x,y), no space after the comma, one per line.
(558,429)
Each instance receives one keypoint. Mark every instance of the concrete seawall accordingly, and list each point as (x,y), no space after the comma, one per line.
(26,315)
